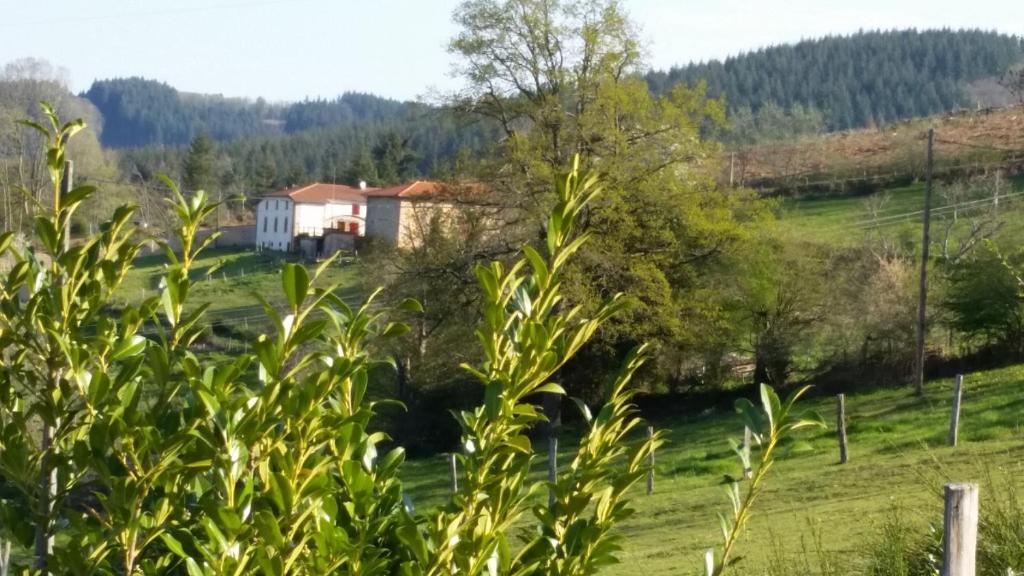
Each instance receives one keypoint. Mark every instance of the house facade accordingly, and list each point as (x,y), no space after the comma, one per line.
(311,210)
(402,215)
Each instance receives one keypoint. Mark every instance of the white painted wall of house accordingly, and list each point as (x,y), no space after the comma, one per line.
(275,223)
(279,220)
(312,219)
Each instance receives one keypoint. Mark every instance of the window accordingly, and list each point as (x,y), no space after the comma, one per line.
(275,224)
(285,224)
(265,224)
(277,204)
(355,209)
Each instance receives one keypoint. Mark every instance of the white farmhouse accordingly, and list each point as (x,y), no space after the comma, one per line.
(310,210)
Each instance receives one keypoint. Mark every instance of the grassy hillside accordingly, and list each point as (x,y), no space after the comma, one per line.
(898,460)
(846,220)
(232,286)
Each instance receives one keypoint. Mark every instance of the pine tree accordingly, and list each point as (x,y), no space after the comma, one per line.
(198,170)
(361,169)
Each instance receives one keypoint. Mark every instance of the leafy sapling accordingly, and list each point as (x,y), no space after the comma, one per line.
(770,424)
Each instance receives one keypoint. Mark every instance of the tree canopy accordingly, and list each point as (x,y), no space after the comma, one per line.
(871,77)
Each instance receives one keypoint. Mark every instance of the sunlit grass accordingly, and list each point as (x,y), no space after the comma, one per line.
(898,457)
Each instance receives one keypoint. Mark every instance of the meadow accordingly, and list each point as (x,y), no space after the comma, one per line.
(816,517)
(896,214)
(814,509)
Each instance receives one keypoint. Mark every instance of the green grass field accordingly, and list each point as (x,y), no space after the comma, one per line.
(898,458)
(847,220)
(898,454)
(232,286)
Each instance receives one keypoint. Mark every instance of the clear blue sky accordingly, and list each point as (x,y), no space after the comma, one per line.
(291,49)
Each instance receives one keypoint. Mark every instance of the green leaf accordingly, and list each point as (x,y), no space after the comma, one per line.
(47,233)
(173,545)
(35,126)
(130,347)
(584,409)
(410,305)
(550,388)
(268,527)
(295,281)
(193,568)
(394,329)
(492,399)
(770,404)
(5,241)
(749,414)
(410,536)
(78,194)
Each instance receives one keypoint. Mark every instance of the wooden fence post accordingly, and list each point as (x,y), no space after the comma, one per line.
(960,536)
(650,471)
(455,473)
(954,419)
(844,455)
(5,556)
(748,438)
(552,466)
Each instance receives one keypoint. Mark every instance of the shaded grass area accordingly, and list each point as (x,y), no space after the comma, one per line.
(899,459)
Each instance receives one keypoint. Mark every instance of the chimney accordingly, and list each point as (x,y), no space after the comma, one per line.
(362,184)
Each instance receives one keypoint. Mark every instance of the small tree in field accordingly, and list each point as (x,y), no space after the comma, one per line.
(986,298)
(145,457)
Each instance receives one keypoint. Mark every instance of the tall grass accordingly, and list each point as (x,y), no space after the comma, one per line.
(1001,525)
(902,549)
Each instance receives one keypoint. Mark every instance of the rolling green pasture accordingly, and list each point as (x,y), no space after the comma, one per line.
(847,220)
(898,459)
(239,275)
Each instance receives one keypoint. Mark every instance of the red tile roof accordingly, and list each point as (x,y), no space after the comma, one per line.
(426,189)
(415,189)
(319,193)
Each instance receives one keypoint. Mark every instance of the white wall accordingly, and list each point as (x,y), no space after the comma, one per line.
(301,218)
(275,223)
(347,214)
(309,219)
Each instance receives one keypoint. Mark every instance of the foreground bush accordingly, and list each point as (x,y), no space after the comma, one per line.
(129,454)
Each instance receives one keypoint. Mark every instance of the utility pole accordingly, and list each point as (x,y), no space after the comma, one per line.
(995,200)
(922,297)
(65,188)
(732,168)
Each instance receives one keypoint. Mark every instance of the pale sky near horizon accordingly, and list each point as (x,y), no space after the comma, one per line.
(286,50)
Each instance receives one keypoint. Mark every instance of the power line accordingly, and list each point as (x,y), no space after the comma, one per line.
(903,217)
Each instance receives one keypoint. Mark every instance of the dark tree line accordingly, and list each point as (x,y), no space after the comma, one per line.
(140,112)
(380,152)
(861,80)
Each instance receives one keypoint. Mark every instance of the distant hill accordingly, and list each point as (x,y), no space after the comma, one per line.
(861,80)
(142,112)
